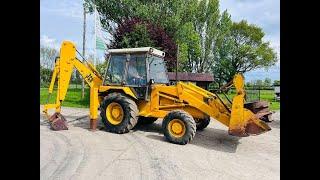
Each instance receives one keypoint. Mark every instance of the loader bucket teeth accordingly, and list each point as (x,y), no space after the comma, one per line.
(257,127)
(58,122)
(238,132)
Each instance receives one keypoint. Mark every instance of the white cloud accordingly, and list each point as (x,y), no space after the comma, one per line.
(67,8)
(264,13)
(274,43)
(45,40)
(49,42)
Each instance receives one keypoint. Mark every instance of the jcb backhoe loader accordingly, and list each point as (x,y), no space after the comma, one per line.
(135,88)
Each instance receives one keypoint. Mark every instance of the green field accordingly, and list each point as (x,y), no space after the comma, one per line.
(268,95)
(73,98)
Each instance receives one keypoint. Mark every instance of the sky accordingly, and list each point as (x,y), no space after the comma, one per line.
(63,20)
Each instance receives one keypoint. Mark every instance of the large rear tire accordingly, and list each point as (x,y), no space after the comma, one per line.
(119,113)
(179,127)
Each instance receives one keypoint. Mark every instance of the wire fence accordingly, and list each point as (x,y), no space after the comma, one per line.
(252,94)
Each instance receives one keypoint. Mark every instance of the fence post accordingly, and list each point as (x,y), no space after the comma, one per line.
(259,92)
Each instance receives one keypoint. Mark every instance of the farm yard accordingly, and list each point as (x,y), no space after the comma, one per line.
(144,152)
(132,82)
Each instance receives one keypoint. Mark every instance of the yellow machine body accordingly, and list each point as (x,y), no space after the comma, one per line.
(198,102)
(201,103)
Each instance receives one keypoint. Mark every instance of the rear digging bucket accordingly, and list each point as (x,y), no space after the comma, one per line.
(58,122)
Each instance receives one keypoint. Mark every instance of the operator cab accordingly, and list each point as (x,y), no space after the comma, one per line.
(136,68)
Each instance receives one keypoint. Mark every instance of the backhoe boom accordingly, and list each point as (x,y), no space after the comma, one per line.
(63,69)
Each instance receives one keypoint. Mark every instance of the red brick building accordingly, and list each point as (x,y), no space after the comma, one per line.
(200,79)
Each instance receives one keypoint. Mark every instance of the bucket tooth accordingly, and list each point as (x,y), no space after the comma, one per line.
(240,132)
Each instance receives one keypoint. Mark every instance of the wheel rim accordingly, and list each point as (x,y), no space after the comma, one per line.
(114,113)
(176,128)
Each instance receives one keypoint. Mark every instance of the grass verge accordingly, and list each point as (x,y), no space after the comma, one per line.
(73,97)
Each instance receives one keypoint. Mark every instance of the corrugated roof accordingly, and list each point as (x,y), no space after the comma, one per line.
(186,76)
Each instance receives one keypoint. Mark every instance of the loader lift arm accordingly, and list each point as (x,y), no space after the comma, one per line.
(241,121)
(64,66)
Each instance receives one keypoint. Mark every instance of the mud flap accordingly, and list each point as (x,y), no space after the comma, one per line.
(58,122)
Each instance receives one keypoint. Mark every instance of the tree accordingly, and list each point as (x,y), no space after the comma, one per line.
(276,83)
(136,33)
(47,56)
(267,82)
(249,84)
(198,36)
(206,24)
(208,41)
(102,68)
(138,37)
(47,60)
(189,23)
(45,75)
(241,50)
(189,47)
(258,83)
(165,13)
(113,12)
(222,48)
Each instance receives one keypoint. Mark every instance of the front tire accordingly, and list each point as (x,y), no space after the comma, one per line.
(119,113)
(179,127)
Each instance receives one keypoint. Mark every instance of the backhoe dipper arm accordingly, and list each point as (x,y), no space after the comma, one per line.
(63,70)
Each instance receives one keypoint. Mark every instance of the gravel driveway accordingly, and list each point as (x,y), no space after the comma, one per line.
(145,154)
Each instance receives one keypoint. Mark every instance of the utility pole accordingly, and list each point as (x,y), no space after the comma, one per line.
(95,37)
(83,44)
(177,62)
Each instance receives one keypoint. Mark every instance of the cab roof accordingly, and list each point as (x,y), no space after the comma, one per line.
(150,50)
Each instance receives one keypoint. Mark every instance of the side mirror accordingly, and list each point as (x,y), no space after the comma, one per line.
(151,81)
(55,60)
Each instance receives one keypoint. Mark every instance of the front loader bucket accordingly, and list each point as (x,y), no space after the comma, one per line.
(244,122)
(58,122)
(249,125)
